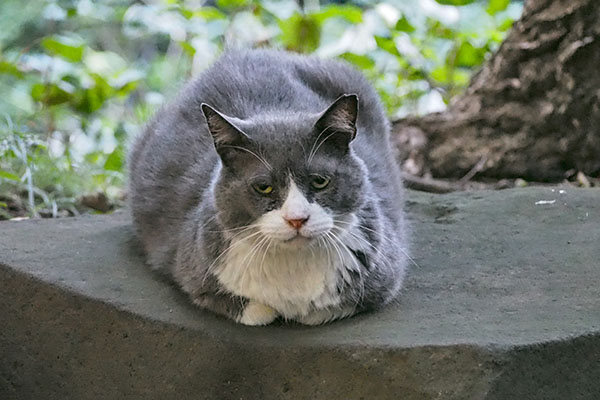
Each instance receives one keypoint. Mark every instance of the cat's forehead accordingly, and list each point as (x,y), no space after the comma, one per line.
(277,128)
(286,144)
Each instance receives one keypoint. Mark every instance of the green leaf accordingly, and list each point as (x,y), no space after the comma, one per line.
(93,157)
(468,55)
(209,13)
(350,13)
(49,94)
(362,62)
(64,47)
(301,33)
(230,4)
(10,69)
(440,74)
(127,88)
(188,48)
(455,2)
(495,6)
(90,100)
(114,162)
(506,24)
(9,176)
(437,29)
(387,44)
(3,204)
(187,13)
(404,26)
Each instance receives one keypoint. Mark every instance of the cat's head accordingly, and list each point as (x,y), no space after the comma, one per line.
(292,176)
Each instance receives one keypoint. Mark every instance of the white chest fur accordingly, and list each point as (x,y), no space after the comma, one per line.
(292,281)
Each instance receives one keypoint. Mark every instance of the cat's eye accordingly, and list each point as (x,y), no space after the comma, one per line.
(263,188)
(319,182)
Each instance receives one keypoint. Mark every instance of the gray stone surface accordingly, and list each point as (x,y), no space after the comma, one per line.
(504,304)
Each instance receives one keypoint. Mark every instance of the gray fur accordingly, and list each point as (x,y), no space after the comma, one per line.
(185,196)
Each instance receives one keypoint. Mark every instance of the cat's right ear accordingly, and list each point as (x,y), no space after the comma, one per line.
(228,138)
(339,122)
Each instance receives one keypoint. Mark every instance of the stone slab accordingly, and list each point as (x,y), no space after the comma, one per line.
(504,303)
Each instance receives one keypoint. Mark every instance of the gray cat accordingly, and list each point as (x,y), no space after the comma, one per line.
(268,189)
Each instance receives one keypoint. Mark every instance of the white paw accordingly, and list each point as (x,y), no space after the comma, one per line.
(257,313)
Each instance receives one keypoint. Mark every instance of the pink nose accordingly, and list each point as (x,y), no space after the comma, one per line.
(296,223)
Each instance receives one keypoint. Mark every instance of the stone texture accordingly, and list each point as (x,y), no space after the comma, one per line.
(504,304)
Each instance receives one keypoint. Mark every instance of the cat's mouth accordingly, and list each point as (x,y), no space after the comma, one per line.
(298,239)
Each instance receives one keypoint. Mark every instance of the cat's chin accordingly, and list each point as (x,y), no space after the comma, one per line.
(297,241)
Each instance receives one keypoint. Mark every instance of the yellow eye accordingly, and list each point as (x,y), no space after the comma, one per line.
(319,182)
(263,188)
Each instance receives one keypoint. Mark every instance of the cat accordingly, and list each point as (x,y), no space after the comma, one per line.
(267,189)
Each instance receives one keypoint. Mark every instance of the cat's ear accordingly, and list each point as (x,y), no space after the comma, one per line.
(338,122)
(227,137)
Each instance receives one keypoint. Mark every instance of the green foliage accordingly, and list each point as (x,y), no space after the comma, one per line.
(495,6)
(63,46)
(301,33)
(455,2)
(80,77)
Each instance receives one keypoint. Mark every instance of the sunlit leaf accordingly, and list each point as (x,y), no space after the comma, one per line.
(188,48)
(441,74)
(9,176)
(506,25)
(232,3)
(301,33)
(461,77)
(127,88)
(468,55)
(439,30)
(350,13)
(10,69)
(64,48)
(209,13)
(495,6)
(114,162)
(455,2)
(403,25)
(94,156)
(363,62)
(187,13)
(387,44)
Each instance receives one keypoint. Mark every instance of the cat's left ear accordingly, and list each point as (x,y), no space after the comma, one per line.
(338,122)
(222,130)
(227,137)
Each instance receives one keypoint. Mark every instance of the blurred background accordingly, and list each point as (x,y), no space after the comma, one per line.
(79,78)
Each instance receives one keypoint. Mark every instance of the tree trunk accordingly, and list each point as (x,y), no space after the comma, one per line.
(532,112)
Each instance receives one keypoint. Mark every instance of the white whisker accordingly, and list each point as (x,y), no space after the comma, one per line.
(382,238)
(261,159)
(312,150)
(356,265)
(320,144)
(234,242)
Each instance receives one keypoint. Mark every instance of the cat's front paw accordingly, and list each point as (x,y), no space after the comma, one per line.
(257,313)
